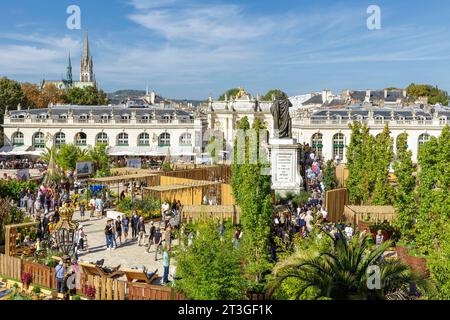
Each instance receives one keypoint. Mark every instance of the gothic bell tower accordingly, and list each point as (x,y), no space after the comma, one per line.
(87,66)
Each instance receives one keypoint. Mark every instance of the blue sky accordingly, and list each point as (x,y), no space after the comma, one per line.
(191,49)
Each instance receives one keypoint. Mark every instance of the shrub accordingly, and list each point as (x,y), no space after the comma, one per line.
(36,290)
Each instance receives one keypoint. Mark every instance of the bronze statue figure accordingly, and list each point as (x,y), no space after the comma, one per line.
(282,123)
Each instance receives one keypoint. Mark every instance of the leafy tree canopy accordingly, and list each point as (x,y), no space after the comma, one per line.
(231,93)
(86,96)
(274,93)
(434,94)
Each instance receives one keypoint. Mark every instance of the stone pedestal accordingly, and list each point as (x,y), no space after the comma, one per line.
(284,159)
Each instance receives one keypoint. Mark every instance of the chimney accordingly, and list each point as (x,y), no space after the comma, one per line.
(405,93)
(385,93)
(19,107)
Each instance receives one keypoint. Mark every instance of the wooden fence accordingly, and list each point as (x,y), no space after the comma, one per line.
(202,213)
(213,173)
(335,202)
(10,267)
(142,291)
(342,175)
(362,215)
(41,275)
(105,288)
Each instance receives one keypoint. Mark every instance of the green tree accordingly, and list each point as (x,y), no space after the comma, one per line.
(434,94)
(99,157)
(252,191)
(10,96)
(404,193)
(86,96)
(384,154)
(231,93)
(211,269)
(343,273)
(329,176)
(276,93)
(360,162)
(433,192)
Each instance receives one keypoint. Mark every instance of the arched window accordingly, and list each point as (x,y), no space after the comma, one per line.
(39,140)
(317,144)
(338,146)
(81,139)
(102,138)
(424,138)
(144,139)
(122,139)
(17,139)
(399,136)
(186,139)
(164,140)
(60,139)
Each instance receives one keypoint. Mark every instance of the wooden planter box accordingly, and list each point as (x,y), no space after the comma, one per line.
(417,264)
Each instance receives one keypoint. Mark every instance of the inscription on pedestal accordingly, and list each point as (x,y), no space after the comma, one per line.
(284,168)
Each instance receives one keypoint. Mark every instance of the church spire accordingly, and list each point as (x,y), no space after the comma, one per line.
(86,47)
(69,76)
(87,65)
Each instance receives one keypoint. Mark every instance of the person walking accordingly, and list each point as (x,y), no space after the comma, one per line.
(166,264)
(157,240)
(92,206)
(141,231)
(118,225)
(109,235)
(151,236)
(59,270)
(134,224)
(168,237)
(82,210)
(125,227)
(379,238)
(99,207)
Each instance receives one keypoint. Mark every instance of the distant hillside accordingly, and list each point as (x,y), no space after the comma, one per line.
(121,95)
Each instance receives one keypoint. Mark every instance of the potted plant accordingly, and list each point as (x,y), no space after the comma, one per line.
(26,280)
(76,297)
(36,292)
(90,292)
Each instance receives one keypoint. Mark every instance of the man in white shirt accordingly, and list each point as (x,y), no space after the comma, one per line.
(165,207)
(324,213)
(348,231)
(308,219)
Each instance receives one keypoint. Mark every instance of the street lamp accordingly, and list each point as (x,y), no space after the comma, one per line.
(65,231)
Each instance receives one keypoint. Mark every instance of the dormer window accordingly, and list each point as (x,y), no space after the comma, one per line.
(421,120)
(43,116)
(442,121)
(104,118)
(379,120)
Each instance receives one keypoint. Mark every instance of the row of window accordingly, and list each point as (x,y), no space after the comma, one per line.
(101,138)
(339,143)
(380,119)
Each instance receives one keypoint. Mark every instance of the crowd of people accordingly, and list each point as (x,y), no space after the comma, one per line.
(18,164)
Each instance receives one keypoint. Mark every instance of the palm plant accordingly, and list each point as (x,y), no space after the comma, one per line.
(342,274)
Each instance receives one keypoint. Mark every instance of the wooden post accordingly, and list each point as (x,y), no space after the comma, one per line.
(97,288)
(108,289)
(103,288)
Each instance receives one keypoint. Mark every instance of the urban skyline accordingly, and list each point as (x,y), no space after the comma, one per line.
(193,49)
